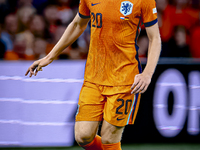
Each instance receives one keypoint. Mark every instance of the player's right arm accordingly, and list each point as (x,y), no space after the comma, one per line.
(73,31)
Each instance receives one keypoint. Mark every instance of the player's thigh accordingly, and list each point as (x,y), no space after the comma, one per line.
(110,133)
(85,131)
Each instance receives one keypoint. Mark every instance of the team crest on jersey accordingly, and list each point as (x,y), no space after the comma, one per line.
(126,8)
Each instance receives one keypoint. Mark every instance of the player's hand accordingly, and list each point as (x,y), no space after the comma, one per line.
(37,66)
(141,83)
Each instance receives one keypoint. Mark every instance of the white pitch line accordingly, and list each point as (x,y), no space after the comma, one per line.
(194,87)
(38,101)
(170,84)
(9,143)
(53,80)
(19,122)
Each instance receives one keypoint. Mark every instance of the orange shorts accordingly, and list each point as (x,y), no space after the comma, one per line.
(115,104)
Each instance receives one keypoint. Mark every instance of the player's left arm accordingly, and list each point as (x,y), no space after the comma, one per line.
(142,81)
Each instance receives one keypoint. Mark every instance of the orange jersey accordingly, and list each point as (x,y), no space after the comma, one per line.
(113,54)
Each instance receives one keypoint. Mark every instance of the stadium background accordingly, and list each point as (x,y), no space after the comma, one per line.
(46,118)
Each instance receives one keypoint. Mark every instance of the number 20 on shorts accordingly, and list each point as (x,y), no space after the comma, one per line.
(127,104)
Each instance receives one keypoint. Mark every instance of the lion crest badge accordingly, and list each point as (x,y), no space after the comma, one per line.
(126,8)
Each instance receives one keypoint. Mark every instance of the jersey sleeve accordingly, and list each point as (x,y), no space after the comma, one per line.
(149,13)
(84,11)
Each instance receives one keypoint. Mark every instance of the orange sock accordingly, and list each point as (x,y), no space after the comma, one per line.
(115,146)
(94,145)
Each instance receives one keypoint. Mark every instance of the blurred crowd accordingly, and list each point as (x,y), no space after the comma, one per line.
(29,29)
(179,24)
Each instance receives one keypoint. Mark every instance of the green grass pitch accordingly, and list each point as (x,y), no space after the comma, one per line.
(124,147)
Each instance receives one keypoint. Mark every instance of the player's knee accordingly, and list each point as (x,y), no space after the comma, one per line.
(83,138)
(110,139)
(106,137)
(106,140)
(111,134)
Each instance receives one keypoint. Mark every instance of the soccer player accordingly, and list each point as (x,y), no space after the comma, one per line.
(113,78)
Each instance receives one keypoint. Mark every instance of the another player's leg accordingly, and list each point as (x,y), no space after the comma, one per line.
(120,110)
(111,136)
(86,135)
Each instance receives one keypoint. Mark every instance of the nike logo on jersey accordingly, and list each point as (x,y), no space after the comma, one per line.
(93,4)
(118,119)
